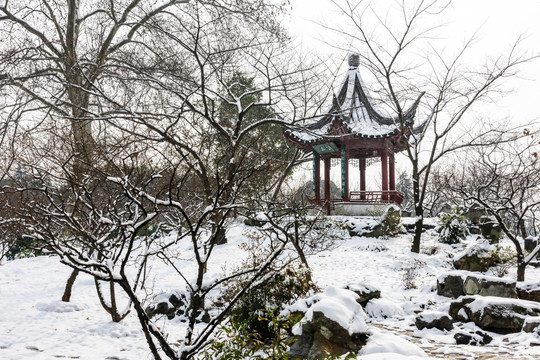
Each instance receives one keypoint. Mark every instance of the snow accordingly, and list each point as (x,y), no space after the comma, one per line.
(384,342)
(34,323)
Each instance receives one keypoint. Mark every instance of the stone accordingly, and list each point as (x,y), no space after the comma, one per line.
(532,324)
(333,325)
(477,338)
(528,291)
(434,319)
(451,285)
(490,229)
(530,243)
(476,257)
(323,337)
(495,314)
(489,286)
(457,310)
(364,291)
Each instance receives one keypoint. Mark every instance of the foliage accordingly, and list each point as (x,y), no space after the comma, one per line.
(452,226)
(404,187)
(268,297)
(25,247)
(236,341)
(500,260)
(391,221)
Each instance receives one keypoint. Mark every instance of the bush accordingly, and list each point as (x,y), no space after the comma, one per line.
(452,226)
(391,221)
(235,341)
(500,260)
(24,247)
(262,304)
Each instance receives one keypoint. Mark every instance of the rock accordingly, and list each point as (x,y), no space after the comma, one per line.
(490,229)
(532,324)
(254,222)
(333,325)
(384,309)
(451,284)
(476,257)
(489,286)
(434,319)
(323,337)
(457,310)
(528,291)
(500,315)
(530,243)
(364,291)
(477,338)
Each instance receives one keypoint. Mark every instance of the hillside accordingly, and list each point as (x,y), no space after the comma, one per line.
(35,324)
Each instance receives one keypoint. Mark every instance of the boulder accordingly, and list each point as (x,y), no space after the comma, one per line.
(489,286)
(500,315)
(476,257)
(333,325)
(476,338)
(529,291)
(364,291)
(532,324)
(457,310)
(490,229)
(434,319)
(169,304)
(451,284)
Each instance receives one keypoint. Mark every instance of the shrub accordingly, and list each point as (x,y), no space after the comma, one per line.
(500,260)
(391,221)
(234,341)
(269,297)
(452,226)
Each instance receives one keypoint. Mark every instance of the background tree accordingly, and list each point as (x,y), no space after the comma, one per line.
(449,86)
(504,179)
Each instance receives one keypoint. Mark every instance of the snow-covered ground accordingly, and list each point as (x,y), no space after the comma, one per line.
(35,324)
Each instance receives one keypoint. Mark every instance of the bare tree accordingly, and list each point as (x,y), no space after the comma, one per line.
(505,179)
(447,87)
(166,166)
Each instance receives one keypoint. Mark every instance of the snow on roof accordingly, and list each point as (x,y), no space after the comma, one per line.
(354,107)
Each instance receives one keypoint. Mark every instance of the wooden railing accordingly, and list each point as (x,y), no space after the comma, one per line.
(387,196)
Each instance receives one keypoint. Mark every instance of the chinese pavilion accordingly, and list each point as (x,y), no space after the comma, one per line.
(353,128)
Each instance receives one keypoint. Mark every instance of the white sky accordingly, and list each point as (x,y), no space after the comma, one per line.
(497,24)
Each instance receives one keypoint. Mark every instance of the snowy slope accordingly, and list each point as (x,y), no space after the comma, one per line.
(35,324)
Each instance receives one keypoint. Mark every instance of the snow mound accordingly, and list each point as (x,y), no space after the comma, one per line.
(382,343)
(383,308)
(335,304)
(58,307)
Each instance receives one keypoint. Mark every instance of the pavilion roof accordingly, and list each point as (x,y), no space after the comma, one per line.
(354,109)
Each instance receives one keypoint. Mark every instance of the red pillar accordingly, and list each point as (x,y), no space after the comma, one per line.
(384,169)
(362,163)
(326,179)
(391,171)
(317,165)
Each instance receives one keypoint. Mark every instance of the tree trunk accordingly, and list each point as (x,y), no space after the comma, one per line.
(69,285)
(419,212)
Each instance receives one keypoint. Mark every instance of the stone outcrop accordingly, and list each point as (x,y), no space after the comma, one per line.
(434,319)
(476,338)
(333,325)
(500,315)
(529,291)
(476,257)
(489,286)
(451,284)
(364,291)
(458,283)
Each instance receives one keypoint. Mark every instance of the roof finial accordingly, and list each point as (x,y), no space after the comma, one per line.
(354,60)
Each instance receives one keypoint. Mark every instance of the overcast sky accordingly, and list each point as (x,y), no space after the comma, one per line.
(497,24)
